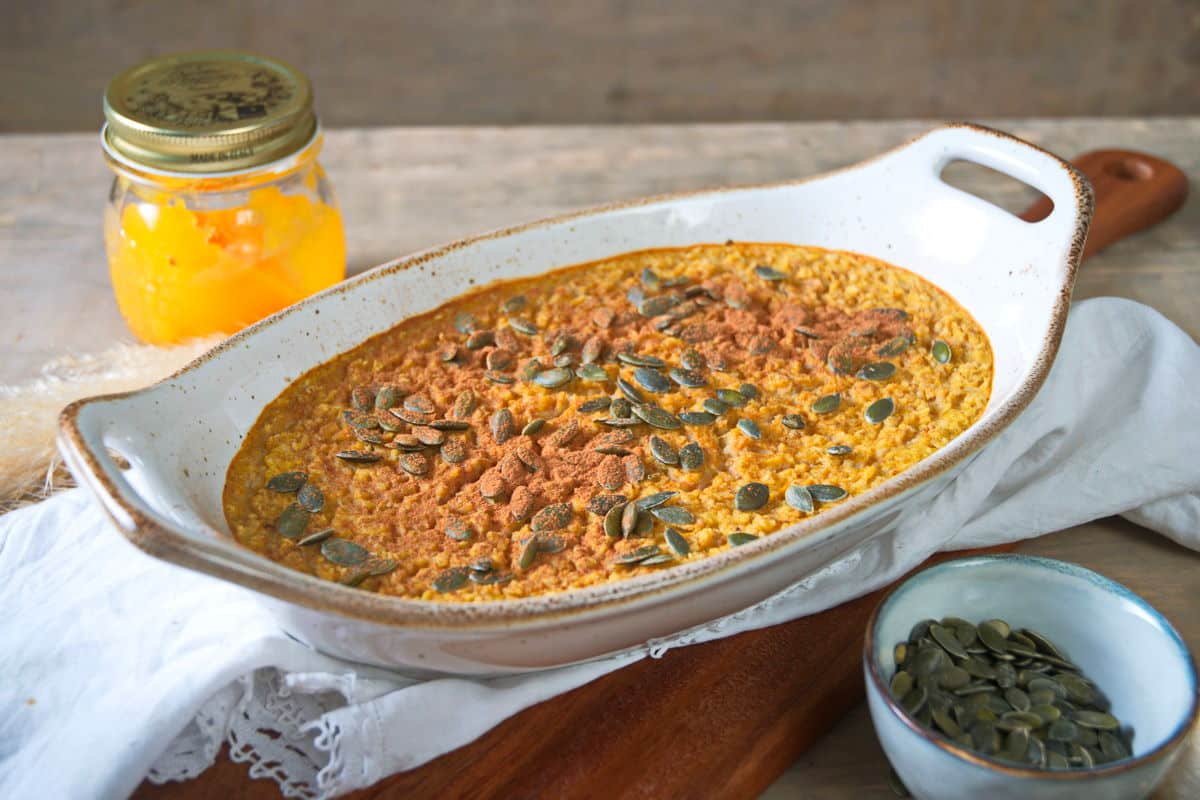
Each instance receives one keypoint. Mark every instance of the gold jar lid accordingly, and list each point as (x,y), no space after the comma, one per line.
(217,111)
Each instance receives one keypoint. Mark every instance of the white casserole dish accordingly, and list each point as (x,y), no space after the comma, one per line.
(179,436)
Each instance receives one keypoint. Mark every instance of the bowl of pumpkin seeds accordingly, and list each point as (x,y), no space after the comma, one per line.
(1023,677)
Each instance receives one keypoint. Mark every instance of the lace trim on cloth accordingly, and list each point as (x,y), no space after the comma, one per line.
(279,724)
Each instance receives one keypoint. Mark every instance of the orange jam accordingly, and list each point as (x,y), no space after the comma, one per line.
(180,273)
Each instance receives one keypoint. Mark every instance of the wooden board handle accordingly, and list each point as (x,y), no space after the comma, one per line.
(1134,191)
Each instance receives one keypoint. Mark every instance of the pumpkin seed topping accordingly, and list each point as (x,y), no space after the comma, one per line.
(451,580)
(662,450)
(877,371)
(552,518)
(654,500)
(894,347)
(638,360)
(716,407)
(799,498)
(292,522)
(691,456)
(315,538)
(594,405)
(941,352)
(554,377)
(688,378)
(533,426)
(697,418)
(413,463)
(612,520)
(521,325)
(387,397)
(880,410)
(826,493)
(677,543)
(639,555)
(651,380)
(739,538)
(692,359)
(673,515)
(769,273)
(656,417)
(357,456)
(732,398)
(827,404)
(287,482)
(751,496)
(750,428)
(453,451)
(793,421)
(362,398)
(839,450)
(503,426)
(310,498)
(465,323)
(593,373)
(457,529)
(630,391)
(344,552)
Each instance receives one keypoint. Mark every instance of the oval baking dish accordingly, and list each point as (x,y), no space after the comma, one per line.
(179,436)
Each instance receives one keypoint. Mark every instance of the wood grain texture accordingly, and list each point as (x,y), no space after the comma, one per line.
(403,189)
(379,62)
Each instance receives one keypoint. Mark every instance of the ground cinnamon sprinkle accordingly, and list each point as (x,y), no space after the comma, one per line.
(516,503)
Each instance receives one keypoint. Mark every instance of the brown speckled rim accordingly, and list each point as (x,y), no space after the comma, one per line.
(1160,751)
(226,560)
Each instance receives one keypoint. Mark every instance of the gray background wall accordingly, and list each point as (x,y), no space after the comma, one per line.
(377,62)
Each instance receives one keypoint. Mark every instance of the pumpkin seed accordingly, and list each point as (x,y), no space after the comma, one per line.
(948,640)
(656,417)
(799,498)
(716,407)
(430,437)
(673,515)
(751,496)
(941,352)
(310,498)
(697,418)
(449,425)
(656,306)
(594,405)
(839,450)
(877,371)
(1112,747)
(601,504)
(621,408)
(662,450)
(292,522)
(992,638)
(750,428)
(502,425)
(612,521)
(901,684)
(769,273)
(418,403)
(1096,720)
(692,359)
(287,482)
(651,380)
(357,456)
(894,347)
(806,332)
(654,500)
(679,545)
(491,578)
(691,456)
(793,421)
(359,420)
(552,518)
(387,397)
(826,493)
(630,391)
(827,404)
(839,363)
(513,304)
(344,552)
(688,378)
(533,426)
(413,463)
(629,519)
(739,538)
(638,555)
(368,437)
(593,373)
(638,360)
(658,560)
(453,451)
(529,552)
(880,410)
(451,580)
(362,398)
(553,378)
(465,323)
(522,325)
(732,398)
(448,352)
(480,340)
(315,538)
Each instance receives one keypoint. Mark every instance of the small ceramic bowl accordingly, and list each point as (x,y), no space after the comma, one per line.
(1130,651)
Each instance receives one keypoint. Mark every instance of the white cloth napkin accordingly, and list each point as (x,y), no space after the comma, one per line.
(115,666)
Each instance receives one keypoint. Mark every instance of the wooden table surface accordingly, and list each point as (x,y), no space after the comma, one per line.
(402,189)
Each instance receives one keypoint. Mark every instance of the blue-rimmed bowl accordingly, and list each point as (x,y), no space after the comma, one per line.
(1132,653)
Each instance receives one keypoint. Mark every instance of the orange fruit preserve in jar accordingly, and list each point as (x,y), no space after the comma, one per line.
(220,213)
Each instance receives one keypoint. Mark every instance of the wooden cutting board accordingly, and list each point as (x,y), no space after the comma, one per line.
(721,719)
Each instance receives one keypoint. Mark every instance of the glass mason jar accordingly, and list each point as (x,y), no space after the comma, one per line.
(219,213)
